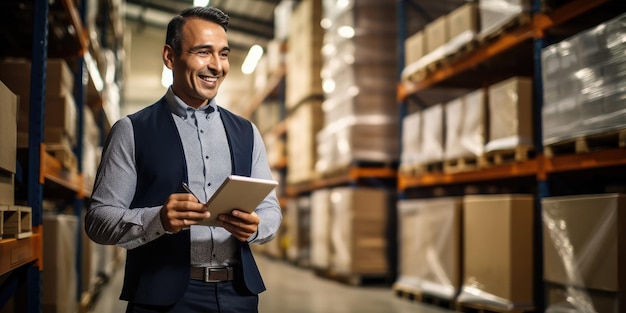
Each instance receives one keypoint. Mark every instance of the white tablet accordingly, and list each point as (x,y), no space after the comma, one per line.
(237,192)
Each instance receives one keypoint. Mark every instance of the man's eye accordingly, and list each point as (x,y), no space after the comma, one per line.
(202,52)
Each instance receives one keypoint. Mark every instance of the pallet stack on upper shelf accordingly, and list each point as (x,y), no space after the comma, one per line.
(567,166)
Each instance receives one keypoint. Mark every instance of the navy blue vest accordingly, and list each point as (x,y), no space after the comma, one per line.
(157,273)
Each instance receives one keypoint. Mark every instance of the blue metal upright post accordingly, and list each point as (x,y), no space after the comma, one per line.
(81,80)
(35,138)
(542,183)
(401,36)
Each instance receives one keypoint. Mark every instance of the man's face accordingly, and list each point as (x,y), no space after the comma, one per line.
(203,63)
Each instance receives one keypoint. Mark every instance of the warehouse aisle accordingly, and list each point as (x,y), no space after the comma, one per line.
(296,290)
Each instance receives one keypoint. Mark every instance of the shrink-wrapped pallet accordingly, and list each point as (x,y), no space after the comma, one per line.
(430,246)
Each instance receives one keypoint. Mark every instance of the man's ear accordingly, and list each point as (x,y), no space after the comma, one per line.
(168,56)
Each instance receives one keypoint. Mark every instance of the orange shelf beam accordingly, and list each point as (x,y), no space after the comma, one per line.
(520,169)
(258,98)
(582,161)
(18,252)
(350,175)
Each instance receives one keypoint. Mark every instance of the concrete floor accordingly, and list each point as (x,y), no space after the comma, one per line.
(291,289)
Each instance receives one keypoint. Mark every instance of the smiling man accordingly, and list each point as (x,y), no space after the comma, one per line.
(138,202)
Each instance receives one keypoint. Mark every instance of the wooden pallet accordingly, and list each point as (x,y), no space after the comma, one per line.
(64,154)
(506,156)
(464,164)
(421,297)
(352,279)
(485,308)
(584,144)
(461,52)
(410,170)
(418,75)
(16,221)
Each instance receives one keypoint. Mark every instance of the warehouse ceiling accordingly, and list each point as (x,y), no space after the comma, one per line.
(251,21)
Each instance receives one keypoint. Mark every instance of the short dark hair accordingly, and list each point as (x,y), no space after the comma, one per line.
(174,34)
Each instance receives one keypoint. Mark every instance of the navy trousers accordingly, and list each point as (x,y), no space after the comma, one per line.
(201,297)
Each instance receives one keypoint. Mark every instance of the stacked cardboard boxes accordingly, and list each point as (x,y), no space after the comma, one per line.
(303,94)
(359,74)
(358,232)
(60,107)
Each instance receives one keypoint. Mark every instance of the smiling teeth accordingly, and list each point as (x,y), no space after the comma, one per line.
(209,79)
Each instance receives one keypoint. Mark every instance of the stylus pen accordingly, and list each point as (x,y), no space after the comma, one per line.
(189,190)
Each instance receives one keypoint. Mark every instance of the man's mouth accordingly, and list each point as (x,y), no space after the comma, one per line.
(210,79)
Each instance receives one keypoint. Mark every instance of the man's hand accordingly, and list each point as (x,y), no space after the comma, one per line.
(182,210)
(240,224)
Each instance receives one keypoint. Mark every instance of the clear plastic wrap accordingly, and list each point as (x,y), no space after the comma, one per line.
(584,83)
(365,138)
(430,246)
(411,139)
(432,134)
(320,228)
(580,239)
(495,14)
(465,126)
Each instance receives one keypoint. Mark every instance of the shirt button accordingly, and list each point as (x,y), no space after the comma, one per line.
(202,131)
(206,157)
(209,184)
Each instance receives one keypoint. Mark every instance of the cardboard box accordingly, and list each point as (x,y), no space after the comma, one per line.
(583,241)
(59,256)
(304,59)
(320,228)
(8,129)
(358,231)
(414,48)
(510,109)
(7,188)
(303,125)
(436,33)
(463,19)
(15,73)
(430,245)
(498,250)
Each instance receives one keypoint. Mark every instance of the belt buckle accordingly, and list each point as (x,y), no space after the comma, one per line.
(214,275)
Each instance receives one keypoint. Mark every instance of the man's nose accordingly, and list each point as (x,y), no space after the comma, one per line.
(214,63)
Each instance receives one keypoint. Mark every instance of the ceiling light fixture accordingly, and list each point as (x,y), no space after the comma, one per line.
(252,59)
(201,3)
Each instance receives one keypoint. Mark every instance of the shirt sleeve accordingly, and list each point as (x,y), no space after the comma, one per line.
(269,210)
(109,219)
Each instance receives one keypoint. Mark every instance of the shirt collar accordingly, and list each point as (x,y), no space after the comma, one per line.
(180,108)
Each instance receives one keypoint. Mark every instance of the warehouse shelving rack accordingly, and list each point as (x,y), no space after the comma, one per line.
(21,260)
(488,63)
(519,41)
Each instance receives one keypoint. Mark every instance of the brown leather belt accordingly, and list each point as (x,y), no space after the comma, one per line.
(212,274)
